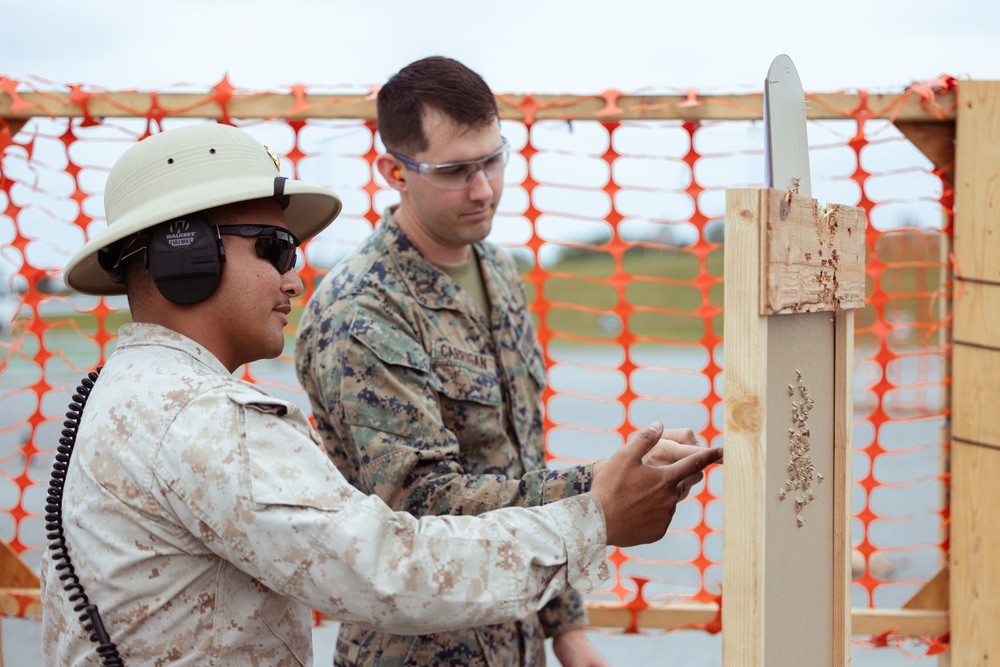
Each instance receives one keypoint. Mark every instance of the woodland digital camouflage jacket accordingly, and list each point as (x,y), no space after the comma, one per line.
(435,406)
(205,521)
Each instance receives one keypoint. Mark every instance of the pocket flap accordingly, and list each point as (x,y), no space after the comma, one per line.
(388,342)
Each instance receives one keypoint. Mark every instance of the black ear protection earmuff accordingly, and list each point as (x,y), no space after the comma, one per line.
(185,257)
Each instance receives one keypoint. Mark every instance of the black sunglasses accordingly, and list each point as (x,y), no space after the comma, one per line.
(275,244)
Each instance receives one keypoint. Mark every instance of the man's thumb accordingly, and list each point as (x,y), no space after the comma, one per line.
(644,440)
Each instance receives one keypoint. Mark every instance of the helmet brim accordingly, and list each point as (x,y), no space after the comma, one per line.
(186,170)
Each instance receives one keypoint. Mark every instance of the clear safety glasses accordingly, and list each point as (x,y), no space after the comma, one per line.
(457,175)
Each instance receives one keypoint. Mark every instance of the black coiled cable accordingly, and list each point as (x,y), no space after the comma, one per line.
(90,618)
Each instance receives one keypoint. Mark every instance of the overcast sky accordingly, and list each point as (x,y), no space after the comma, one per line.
(545,46)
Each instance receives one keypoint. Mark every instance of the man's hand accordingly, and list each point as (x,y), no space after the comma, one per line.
(674,445)
(573,649)
(639,500)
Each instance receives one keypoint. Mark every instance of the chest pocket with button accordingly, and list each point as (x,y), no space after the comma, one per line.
(470,400)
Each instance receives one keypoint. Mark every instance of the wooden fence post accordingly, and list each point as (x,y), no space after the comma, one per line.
(975,469)
(793,272)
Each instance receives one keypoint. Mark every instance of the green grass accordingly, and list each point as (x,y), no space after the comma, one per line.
(659,292)
(656,290)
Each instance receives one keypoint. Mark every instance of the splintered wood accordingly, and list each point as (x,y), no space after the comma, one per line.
(813,258)
(801,470)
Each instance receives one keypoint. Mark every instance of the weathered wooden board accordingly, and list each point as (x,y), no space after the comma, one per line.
(814,257)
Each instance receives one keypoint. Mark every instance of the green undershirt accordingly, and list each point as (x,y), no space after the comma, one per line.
(470,278)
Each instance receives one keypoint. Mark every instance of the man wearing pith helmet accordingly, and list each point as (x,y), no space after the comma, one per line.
(200,516)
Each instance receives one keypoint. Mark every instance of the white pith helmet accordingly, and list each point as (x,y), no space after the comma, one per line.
(191,169)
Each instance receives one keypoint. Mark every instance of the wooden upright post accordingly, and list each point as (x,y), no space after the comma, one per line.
(793,271)
(975,468)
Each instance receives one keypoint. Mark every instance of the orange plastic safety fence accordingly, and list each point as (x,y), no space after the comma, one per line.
(618,228)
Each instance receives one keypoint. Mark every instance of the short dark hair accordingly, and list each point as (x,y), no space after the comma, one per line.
(436,83)
(138,281)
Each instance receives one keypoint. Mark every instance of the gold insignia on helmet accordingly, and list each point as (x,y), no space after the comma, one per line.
(274,158)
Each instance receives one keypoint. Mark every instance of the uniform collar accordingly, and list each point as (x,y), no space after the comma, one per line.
(136,334)
(431,286)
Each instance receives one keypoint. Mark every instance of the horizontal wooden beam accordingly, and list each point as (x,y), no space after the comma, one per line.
(901,107)
(20,602)
(904,622)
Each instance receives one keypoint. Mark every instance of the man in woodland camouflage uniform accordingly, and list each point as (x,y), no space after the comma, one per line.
(422,365)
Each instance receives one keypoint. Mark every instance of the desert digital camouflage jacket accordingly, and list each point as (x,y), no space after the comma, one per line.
(206,521)
(435,406)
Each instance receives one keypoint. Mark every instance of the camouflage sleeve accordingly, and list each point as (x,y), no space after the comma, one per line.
(375,393)
(562,613)
(277,508)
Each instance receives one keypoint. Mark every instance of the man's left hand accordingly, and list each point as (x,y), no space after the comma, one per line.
(674,445)
(573,649)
